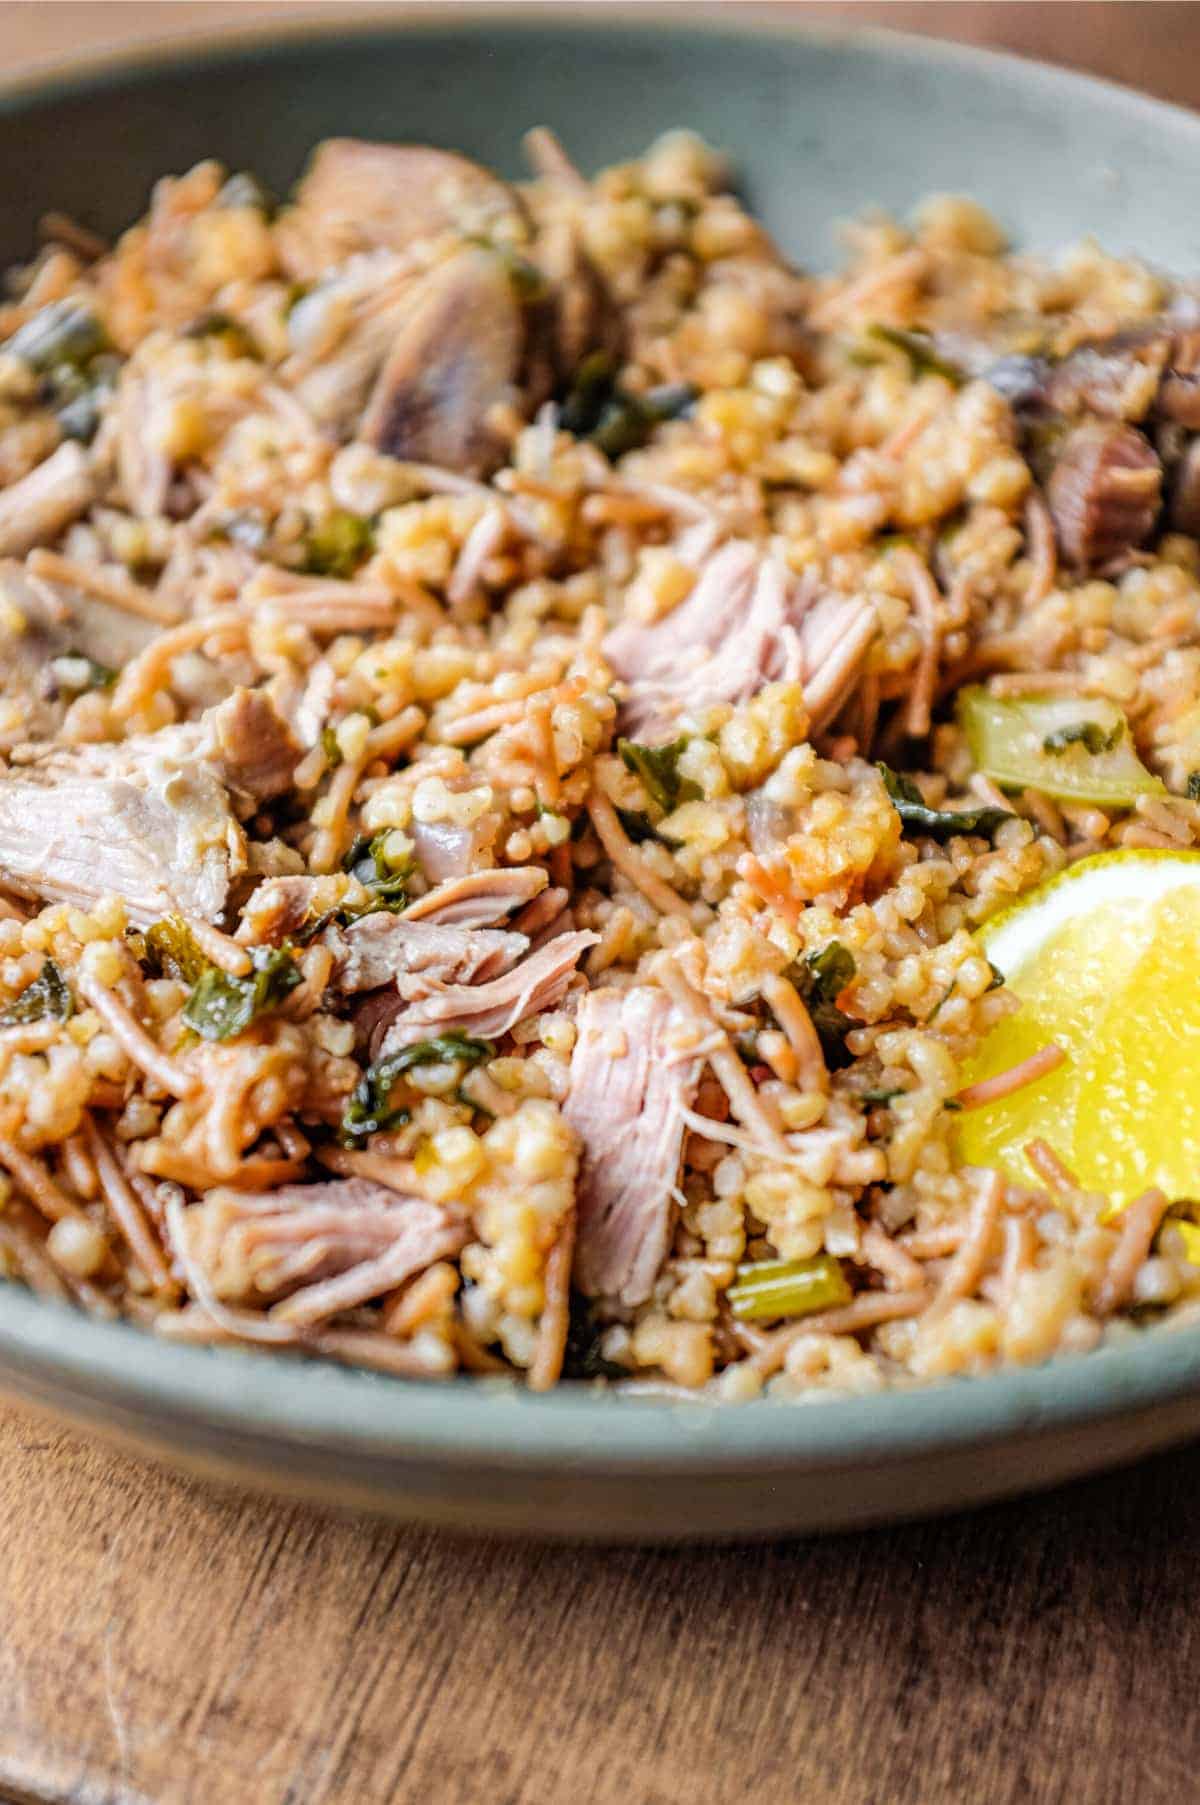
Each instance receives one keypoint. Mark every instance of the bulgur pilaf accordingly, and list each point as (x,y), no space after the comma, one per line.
(493,823)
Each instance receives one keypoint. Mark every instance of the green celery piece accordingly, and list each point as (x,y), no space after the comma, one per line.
(1044,743)
(766,1289)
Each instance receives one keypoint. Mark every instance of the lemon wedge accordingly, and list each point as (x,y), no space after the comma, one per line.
(1105,960)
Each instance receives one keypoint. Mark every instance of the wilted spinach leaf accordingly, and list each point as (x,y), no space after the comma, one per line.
(939,824)
(222,1005)
(658,768)
(616,421)
(49,996)
(369,1111)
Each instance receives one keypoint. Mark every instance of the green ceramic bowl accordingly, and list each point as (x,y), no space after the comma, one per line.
(820,126)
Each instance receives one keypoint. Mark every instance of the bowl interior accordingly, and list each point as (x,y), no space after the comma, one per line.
(818,127)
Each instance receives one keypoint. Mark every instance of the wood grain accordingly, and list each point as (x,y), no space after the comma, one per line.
(164,1643)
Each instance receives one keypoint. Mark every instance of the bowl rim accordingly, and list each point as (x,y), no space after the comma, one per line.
(57,1356)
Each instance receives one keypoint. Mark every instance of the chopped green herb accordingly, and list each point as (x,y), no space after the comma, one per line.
(172,951)
(76,672)
(997,976)
(939,824)
(368,861)
(880,1099)
(582,1358)
(48,997)
(330,747)
(235,337)
(76,393)
(952,1104)
(64,332)
(658,768)
(820,980)
(832,968)
(369,1109)
(338,544)
(66,344)
(616,421)
(921,352)
(766,1289)
(1088,734)
(1193,786)
(245,190)
(222,1005)
(637,825)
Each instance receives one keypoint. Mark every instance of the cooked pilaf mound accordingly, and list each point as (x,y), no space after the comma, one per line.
(490,856)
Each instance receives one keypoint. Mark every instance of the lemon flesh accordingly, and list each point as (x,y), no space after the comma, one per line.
(1105,960)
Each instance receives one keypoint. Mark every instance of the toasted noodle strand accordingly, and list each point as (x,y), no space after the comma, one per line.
(787,1006)
(629,861)
(867,1311)
(148,671)
(328,845)
(927,606)
(218,946)
(29,1255)
(901,1272)
(554,1320)
(125,1210)
(1020,1246)
(727,1068)
(1047,1165)
(131,597)
(1139,1222)
(36,1182)
(133,1038)
(991,1090)
(1043,553)
(969,1263)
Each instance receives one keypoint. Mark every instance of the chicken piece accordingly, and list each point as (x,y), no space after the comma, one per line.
(129,820)
(57,491)
(1104,492)
(359,196)
(1179,391)
(489,1008)
(324,1246)
(1183,507)
(148,819)
(577,318)
(250,746)
(480,898)
(746,622)
(417,957)
(342,333)
(1118,378)
(631,1081)
(456,357)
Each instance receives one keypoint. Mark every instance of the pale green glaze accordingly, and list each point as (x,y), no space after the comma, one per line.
(819,126)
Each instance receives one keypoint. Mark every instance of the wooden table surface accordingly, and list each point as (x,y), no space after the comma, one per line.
(164,1643)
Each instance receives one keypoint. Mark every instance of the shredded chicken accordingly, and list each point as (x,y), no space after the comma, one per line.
(632,1078)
